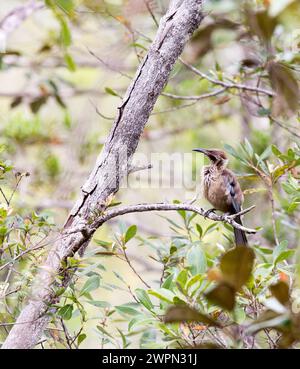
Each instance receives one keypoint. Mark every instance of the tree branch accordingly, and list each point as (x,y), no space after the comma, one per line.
(139,208)
(180,21)
(228,85)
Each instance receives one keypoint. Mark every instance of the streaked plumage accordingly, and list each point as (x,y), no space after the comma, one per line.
(221,188)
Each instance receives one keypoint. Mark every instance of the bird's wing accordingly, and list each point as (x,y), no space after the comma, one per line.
(233,189)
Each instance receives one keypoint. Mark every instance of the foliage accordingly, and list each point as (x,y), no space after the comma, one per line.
(202,290)
(23,235)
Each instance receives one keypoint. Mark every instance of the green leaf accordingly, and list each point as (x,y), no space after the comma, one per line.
(196,260)
(236,266)
(281,252)
(130,233)
(124,340)
(144,298)
(110,91)
(90,285)
(196,278)
(115,203)
(66,312)
(171,222)
(276,151)
(284,256)
(140,320)
(168,282)
(191,216)
(100,304)
(239,315)
(65,33)
(67,120)
(163,295)
(199,230)
(135,44)
(70,62)
(182,278)
(210,228)
(104,331)
(265,154)
(119,277)
(232,152)
(279,172)
(60,291)
(66,5)
(127,310)
(222,295)
(249,148)
(81,338)
(104,244)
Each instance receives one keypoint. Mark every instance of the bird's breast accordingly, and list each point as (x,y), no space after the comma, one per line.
(214,190)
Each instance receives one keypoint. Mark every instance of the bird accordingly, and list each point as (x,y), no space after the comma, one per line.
(221,188)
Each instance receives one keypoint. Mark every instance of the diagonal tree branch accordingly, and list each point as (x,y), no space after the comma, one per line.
(180,21)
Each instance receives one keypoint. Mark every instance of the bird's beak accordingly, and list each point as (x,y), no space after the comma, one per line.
(203,151)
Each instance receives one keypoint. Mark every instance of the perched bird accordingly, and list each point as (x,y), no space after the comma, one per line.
(221,188)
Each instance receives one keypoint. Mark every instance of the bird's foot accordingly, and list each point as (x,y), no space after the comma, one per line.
(208,212)
(227,216)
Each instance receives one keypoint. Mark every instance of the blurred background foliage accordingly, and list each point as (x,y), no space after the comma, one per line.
(149,280)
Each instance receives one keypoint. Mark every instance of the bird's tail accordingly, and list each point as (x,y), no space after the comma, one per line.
(240,236)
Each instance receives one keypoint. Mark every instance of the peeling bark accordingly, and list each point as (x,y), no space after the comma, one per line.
(180,21)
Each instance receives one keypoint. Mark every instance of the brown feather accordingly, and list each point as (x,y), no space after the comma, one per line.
(221,188)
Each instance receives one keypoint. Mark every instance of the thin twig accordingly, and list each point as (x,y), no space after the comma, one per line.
(21,255)
(134,270)
(195,97)
(228,85)
(282,125)
(146,2)
(175,108)
(5,198)
(11,292)
(15,189)
(99,113)
(109,66)
(66,333)
(273,218)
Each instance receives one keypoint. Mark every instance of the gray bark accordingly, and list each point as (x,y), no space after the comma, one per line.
(140,208)
(180,21)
